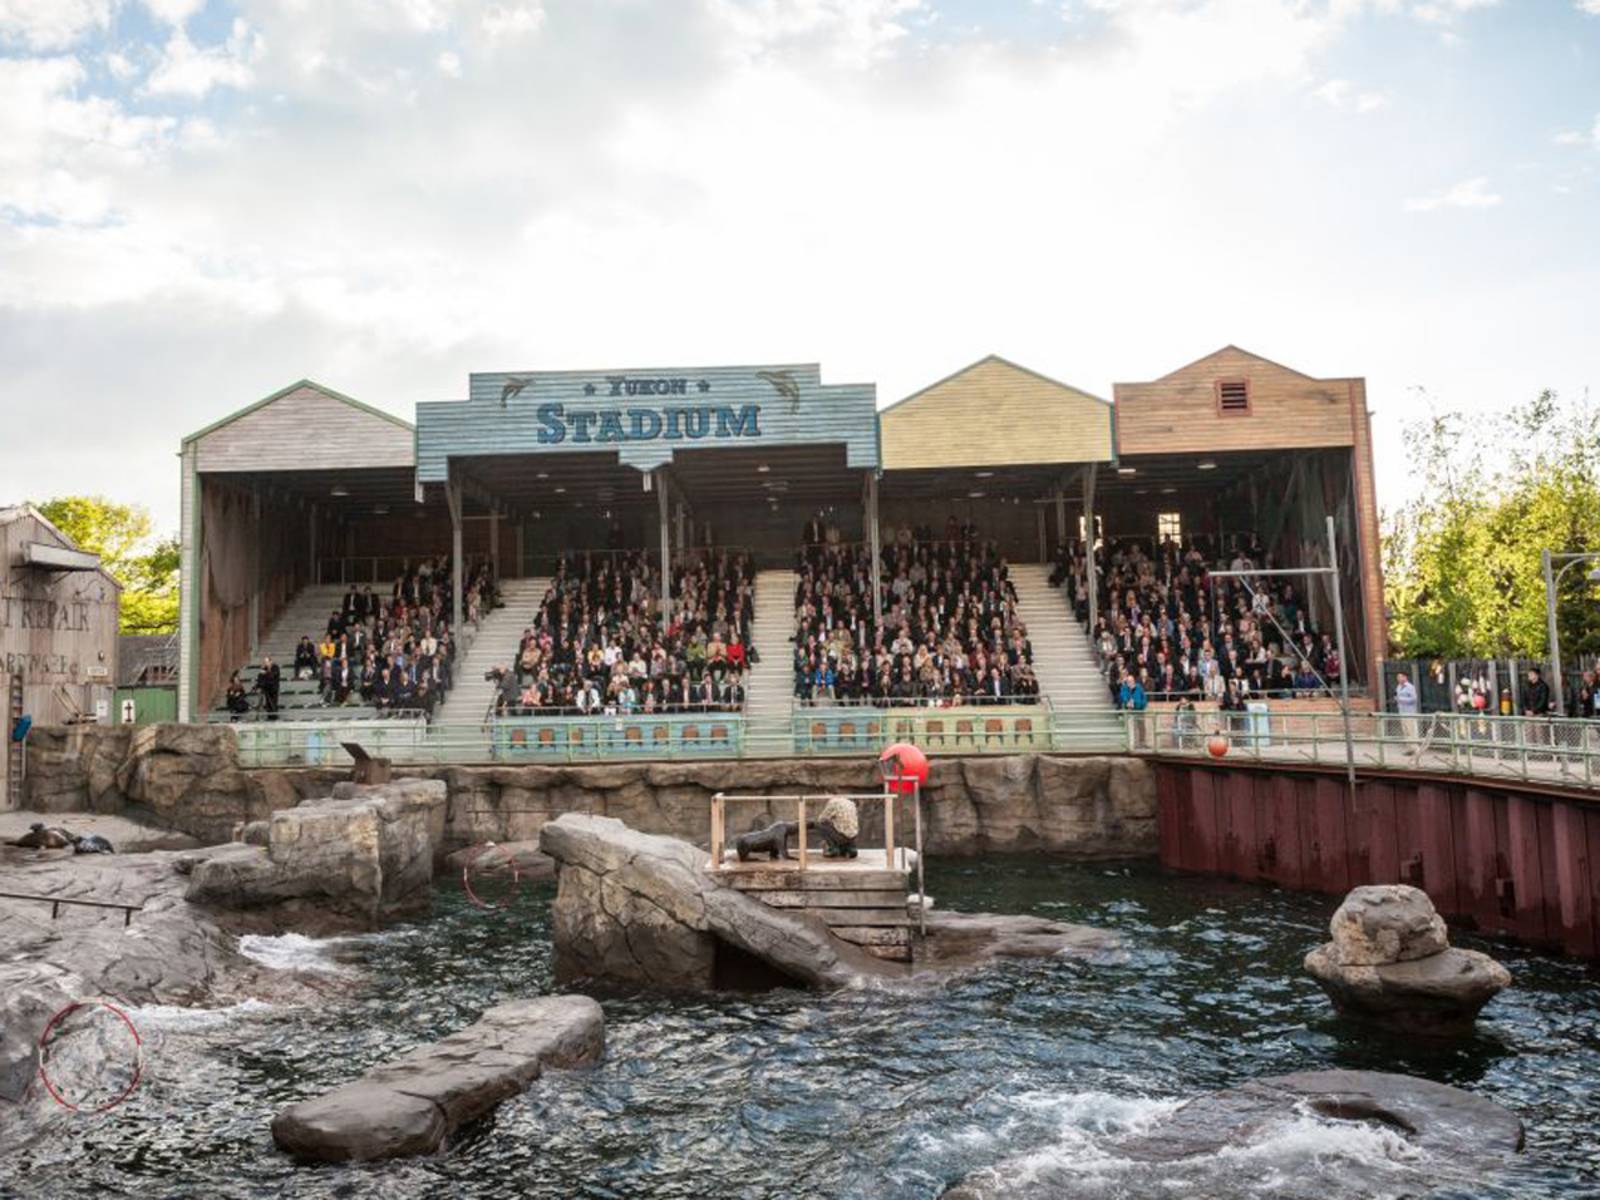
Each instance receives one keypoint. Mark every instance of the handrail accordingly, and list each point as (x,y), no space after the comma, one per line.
(55,903)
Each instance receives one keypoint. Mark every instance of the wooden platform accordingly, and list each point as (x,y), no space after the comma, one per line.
(862,900)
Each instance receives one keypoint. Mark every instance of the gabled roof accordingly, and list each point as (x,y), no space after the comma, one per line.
(1231,349)
(294,387)
(991,358)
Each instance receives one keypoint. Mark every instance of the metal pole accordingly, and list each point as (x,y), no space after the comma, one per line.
(1555,636)
(1344,662)
(452,493)
(922,887)
(1091,574)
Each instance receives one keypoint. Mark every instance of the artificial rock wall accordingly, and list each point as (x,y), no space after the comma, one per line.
(187,777)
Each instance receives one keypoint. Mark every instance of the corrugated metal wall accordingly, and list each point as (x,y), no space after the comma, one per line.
(1492,858)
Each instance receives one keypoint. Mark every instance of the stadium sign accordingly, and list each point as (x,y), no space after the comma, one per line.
(558,424)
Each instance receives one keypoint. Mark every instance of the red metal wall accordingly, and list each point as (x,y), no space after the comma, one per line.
(1491,857)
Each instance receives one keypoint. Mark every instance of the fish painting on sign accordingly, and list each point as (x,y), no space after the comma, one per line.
(785,384)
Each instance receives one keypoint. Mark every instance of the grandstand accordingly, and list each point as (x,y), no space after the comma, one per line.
(745,559)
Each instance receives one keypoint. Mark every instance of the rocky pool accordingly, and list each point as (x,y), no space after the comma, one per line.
(871,1093)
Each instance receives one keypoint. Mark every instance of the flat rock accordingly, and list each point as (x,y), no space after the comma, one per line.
(957,941)
(1221,1145)
(127,835)
(1440,995)
(496,857)
(413,1104)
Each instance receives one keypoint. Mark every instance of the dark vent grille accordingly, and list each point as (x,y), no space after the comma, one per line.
(1233,395)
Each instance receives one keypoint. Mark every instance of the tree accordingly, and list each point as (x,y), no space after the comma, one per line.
(121,534)
(1462,561)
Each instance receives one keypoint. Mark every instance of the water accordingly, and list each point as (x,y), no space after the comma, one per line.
(869,1093)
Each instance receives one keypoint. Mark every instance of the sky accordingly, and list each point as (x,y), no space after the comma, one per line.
(203,201)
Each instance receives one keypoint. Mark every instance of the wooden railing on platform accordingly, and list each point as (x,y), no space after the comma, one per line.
(720,801)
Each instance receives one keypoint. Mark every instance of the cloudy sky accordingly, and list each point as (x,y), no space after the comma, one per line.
(204,200)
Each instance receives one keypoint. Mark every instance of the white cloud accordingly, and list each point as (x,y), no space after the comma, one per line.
(1344,95)
(1592,7)
(122,67)
(189,70)
(51,24)
(502,22)
(173,12)
(1442,12)
(450,64)
(1469,193)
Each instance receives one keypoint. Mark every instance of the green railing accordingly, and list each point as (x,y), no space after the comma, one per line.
(1560,752)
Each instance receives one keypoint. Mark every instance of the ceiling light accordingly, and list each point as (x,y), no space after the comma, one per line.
(381,510)
(542,475)
(984,474)
(559,490)
(1208,465)
(763,469)
(1142,492)
(1168,491)
(976,495)
(339,489)
(1127,470)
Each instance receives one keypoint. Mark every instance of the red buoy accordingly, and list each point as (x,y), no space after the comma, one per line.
(1217,745)
(904,768)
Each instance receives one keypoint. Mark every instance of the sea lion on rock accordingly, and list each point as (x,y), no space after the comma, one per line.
(43,837)
(92,843)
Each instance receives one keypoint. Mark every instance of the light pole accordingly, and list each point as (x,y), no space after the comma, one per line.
(1331,570)
(1551,582)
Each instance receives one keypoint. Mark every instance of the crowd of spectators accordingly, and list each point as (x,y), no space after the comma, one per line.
(949,634)
(394,653)
(597,644)
(1168,629)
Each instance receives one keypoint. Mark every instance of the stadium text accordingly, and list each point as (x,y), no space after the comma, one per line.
(556,424)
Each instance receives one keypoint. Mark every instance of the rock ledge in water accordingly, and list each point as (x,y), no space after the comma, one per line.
(1391,964)
(1451,1125)
(413,1104)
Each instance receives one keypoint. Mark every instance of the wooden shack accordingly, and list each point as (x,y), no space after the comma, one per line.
(58,633)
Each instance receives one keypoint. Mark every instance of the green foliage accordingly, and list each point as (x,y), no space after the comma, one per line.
(1462,561)
(121,534)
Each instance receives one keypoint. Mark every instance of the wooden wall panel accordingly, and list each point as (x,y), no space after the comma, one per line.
(995,413)
(1498,859)
(1178,413)
(305,429)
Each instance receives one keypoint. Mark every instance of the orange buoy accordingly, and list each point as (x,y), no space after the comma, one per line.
(904,768)
(1217,745)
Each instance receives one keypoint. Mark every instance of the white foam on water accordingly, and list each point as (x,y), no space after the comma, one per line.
(293,952)
(175,1017)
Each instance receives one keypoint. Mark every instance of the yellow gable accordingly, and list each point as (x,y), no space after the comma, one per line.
(995,413)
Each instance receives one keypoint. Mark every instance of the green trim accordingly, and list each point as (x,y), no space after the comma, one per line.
(298,384)
(988,358)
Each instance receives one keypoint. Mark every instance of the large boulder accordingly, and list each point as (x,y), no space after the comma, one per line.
(412,1104)
(366,852)
(1390,963)
(641,908)
(1222,1144)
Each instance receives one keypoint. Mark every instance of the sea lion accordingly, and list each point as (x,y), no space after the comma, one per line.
(92,843)
(774,840)
(43,837)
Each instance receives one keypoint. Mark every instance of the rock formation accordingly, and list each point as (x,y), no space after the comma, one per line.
(188,778)
(640,908)
(498,858)
(412,1104)
(1455,1129)
(1390,963)
(367,853)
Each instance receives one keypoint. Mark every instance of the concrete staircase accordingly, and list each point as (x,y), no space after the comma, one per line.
(1065,664)
(769,694)
(495,644)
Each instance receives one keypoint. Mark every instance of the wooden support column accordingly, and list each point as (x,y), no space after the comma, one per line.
(494,542)
(255,572)
(875,544)
(1061,516)
(452,495)
(316,570)
(666,548)
(522,547)
(1091,572)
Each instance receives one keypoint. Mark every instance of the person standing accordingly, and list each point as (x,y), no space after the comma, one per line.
(268,680)
(1405,703)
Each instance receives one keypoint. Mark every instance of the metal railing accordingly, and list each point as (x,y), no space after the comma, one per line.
(1555,750)
(1560,752)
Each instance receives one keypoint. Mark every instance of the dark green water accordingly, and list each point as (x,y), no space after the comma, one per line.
(867,1093)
